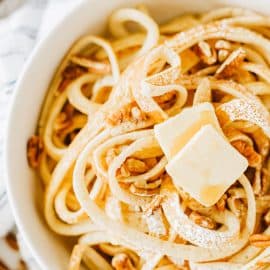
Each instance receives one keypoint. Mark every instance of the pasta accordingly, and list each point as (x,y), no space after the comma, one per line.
(102,168)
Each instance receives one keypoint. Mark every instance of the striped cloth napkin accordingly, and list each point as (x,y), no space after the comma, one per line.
(22,24)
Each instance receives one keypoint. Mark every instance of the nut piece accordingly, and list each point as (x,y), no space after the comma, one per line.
(129,112)
(260,240)
(150,162)
(121,261)
(267,217)
(261,183)
(188,201)
(236,199)
(22,265)
(73,71)
(222,44)
(221,204)
(64,118)
(254,159)
(166,100)
(70,73)
(202,221)
(124,171)
(153,205)
(222,55)
(62,122)
(136,113)
(135,166)
(34,150)
(205,48)
(110,155)
(206,53)
(265,176)
(230,65)
(3,266)
(12,241)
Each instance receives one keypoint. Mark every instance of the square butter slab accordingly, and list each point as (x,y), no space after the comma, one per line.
(174,133)
(206,166)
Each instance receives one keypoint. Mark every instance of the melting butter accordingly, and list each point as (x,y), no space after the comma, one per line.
(206,166)
(174,133)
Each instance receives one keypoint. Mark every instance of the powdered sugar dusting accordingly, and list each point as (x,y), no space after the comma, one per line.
(248,110)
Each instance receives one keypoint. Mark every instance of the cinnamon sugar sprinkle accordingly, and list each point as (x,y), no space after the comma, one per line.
(247,110)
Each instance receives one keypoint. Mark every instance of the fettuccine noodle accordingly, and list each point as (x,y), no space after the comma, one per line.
(102,168)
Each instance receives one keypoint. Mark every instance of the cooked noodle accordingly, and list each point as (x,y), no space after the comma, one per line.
(103,170)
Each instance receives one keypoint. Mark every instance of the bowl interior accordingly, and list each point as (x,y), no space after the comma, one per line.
(23,186)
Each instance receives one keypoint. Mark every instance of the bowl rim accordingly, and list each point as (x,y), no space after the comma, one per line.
(12,112)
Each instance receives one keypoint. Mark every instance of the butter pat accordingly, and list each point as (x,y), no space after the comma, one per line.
(206,166)
(174,133)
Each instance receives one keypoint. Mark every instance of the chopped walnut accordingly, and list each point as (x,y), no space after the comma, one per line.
(207,54)
(136,113)
(62,122)
(265,180)
(267,217)
(236,201)
(3,266)
(254,159)
(110,155)
(121,261)
(70,73)
(236,206)
(188,201)
(205,48)
(202,221)
(64,118)
(153,205)
(260,240)
(222,55)
(262,264)
(150,162)
(124,172)
(244,77)
(261,182)
(12,241)
(230,65)
(135,166)
(129,112)
(22,265)
(166,100)
(223,44)
(34,150)
(118,117)
(69,110)
(221,204)
(73,71)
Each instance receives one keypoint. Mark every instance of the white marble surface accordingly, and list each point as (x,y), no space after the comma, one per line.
(22,23)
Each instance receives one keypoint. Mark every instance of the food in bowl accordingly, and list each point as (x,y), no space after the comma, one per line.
(153,143)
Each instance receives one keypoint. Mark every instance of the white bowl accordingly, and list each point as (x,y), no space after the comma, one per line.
(24,188)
